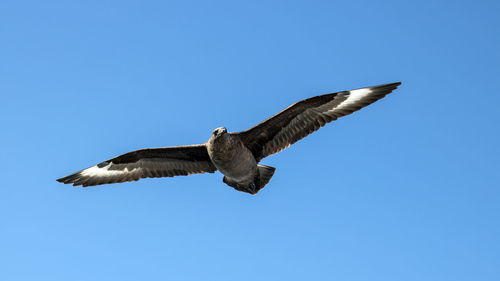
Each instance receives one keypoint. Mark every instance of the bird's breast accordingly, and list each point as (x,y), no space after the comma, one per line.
(232,158)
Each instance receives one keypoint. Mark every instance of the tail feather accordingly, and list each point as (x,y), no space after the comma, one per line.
(265,175)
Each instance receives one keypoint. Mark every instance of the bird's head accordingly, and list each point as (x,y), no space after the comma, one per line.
(219,132)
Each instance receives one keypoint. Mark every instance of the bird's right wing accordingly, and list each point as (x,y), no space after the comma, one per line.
(146,163)
(306,116)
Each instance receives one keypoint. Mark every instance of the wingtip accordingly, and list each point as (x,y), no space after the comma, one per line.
(389,87)
(62,180)
(382,87)
(395,84)
(69,179)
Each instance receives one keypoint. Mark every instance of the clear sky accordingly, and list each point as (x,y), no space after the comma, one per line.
(406,189)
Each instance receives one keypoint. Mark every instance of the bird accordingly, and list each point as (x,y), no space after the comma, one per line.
(235,154)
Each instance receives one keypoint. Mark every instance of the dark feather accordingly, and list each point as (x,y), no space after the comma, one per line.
(149,162)
(306,116)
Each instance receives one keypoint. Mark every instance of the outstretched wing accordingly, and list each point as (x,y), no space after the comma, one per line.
(146,163)
(306,116)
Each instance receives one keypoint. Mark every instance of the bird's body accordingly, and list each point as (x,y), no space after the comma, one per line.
(235,155)
(232,158)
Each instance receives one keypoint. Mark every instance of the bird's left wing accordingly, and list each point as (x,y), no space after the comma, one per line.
(146,163)
(307,116)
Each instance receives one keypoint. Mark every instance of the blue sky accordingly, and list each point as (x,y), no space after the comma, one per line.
(406,189)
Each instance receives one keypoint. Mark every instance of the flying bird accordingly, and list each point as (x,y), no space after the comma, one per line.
(235,155)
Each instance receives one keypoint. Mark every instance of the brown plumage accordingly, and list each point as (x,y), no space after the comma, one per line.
(304,117)
(146,163)
(236,155)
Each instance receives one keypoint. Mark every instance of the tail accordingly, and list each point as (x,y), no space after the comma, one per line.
(265,175)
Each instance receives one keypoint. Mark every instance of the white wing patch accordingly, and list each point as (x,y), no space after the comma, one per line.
(354,97)
(95,171)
